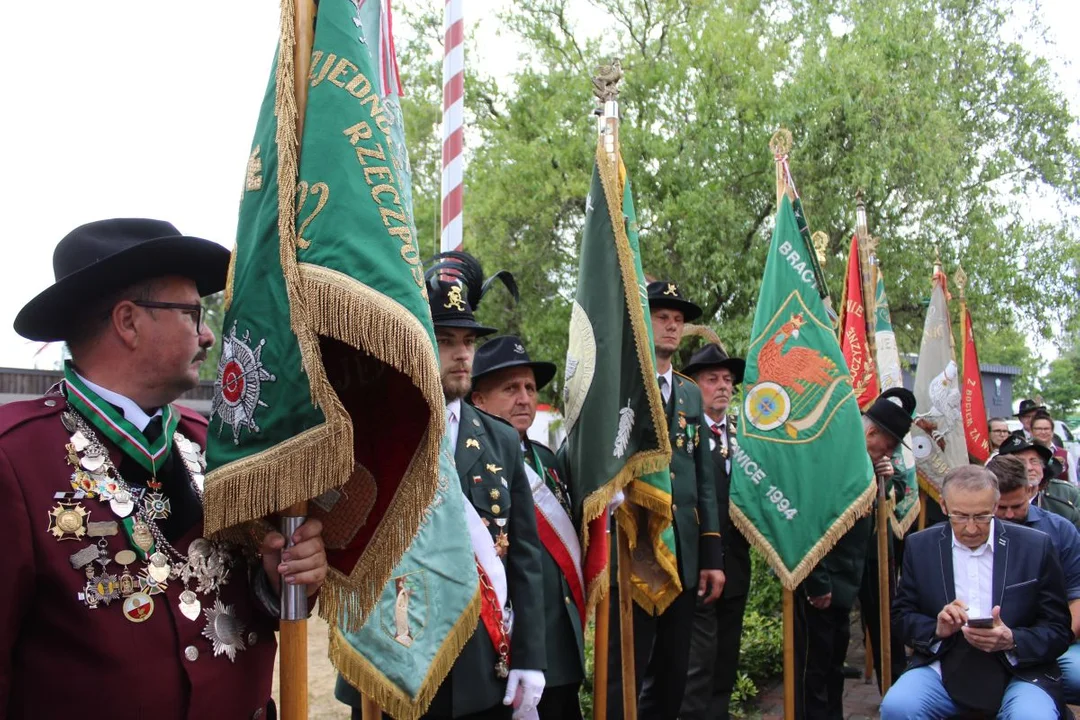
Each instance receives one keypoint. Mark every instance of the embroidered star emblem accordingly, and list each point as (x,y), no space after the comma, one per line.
(472,443)
(493,468)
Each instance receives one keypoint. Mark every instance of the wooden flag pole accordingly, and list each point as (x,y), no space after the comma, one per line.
(601,636)
(293,631)
(626,627)
(868,263)
(294,609)
(789,655)
(780,145)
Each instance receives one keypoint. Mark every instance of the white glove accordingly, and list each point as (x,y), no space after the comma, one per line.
(523,690)
(616,500)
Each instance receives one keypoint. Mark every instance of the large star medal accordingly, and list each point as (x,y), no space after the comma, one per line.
(223,630)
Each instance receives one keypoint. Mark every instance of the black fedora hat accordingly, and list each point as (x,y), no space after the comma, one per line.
(664,294)
(456,285)
(1018,442)
(110,255)
(1027,405)
(508,351)
(712,355)
(892,411)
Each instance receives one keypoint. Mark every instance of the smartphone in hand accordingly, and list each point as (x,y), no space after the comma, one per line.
(981,623)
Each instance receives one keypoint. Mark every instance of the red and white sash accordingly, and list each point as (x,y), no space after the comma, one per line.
(492,610)
(557,534)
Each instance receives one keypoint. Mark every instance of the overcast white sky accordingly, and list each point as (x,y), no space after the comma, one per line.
(142,108)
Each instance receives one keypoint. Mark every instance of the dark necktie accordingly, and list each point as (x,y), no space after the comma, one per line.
(973,678)
(153,429)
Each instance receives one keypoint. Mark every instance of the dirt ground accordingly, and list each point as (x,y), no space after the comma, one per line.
(321,676)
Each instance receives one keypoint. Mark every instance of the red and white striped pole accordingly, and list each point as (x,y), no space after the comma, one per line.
(452,123)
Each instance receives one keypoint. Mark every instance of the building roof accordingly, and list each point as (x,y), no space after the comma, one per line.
(984,368)
(27,384)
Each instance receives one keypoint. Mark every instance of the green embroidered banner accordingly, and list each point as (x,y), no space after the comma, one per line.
(798,480)
(612,403)
(328,385)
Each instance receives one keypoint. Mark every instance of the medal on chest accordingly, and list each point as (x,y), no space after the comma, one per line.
(201,572)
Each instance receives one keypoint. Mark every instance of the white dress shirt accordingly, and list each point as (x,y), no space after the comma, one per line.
(973,578)
(721,427)
(453,420)
(665,389)
(131,411)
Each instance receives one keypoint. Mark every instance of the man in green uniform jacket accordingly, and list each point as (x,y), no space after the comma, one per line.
(1054,496)
(662,643)
(505,383)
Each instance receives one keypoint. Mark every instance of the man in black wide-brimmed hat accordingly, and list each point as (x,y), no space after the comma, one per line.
(662,642)
(1056,496)
(506,383)
(717,634)
(117,469)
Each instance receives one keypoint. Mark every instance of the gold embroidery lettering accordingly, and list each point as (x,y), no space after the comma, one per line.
(359,81)
(316,56)
(339,70)
(378,171)
(385,189)
(362,152)
(325,68)
(390,212)
(359,131)
(322,190)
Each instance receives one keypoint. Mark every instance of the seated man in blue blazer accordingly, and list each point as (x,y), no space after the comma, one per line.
(982,602)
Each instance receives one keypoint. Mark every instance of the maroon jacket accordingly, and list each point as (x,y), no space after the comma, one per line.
(58,658)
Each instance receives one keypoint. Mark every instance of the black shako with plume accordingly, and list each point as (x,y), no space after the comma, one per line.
(456,285)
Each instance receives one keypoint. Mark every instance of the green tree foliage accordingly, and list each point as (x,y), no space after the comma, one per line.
(1061,386)
(948,127)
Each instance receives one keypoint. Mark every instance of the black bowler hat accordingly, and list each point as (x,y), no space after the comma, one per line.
(892,411)
(712,355)
(664,294)
(455,287)
(1028,405)
(1018,442)
(110,255)
(507,351)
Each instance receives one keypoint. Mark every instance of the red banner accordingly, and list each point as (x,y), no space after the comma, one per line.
(853,333)
(972,403)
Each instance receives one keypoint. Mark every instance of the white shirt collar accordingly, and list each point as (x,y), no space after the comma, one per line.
(987,546)
(132,412)
(714,424)
(666,376)
(453,410)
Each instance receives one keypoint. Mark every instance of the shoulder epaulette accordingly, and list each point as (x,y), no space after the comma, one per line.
(493,417)
(15,414)
(686,377)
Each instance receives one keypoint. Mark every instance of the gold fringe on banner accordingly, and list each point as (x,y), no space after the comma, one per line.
(372,683)
(862,506)
(319,459)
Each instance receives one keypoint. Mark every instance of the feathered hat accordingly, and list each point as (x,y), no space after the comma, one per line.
(456,285)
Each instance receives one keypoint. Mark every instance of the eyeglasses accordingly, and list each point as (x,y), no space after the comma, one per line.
(964,520)
(193,309)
